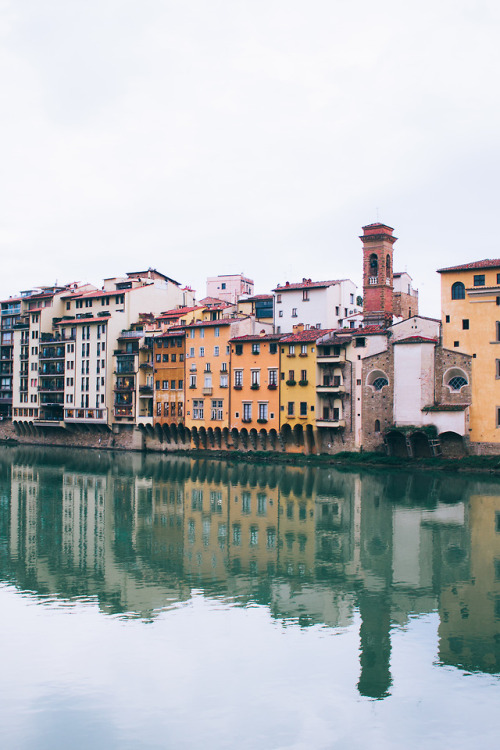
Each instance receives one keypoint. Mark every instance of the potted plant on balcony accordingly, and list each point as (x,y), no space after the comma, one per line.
(272,386)
(303,382)
(255,386)
(262,421)
(290,382)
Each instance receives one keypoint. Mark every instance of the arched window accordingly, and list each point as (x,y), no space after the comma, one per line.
(455,379)
(458,290)
(377,425)
(373,265)
(388,264)
(377,379)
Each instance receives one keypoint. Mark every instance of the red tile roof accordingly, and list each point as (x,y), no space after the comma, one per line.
(256,297)
(302,336)
(78,321)
(416,340)
(178,311)
(221,322)
(308,284)
(488,263)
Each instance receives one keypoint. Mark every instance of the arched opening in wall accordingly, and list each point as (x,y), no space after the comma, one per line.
(203,437)
(455,379)
(159,432)
(458,290)
(195,437)
(263,439)
(187,436)
(173,434)
(244,438)
(15,425)
(273,438)
(452,445)
(377,426)
(218,437)
(253,438)
(396,444)
(211,437)
(181,433)
(286,436)
(298,435)
(388,264)
(225,437)
(309,438)
(373,270)
(377,379)
(420,444)
(150,432)
(235,437)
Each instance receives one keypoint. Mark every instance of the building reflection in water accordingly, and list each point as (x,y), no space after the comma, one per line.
(315,545)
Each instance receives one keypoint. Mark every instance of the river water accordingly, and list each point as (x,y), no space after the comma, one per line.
(156,602)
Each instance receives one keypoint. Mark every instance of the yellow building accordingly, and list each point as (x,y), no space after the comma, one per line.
(298,385)
(470,308)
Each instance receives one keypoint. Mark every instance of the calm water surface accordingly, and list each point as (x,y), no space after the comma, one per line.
(149,602)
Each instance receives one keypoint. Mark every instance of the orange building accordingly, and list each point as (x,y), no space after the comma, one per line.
(169,378)
(207,377)
(255,394)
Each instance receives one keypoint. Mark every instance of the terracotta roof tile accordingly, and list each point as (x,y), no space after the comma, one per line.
(488,263)
(307,285)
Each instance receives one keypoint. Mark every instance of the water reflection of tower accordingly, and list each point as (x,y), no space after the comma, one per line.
(374,598)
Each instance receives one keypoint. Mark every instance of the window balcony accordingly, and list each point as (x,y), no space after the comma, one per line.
(255,386)
(207,390)
(327,389)
(272,386)
(291,382)
(332,423)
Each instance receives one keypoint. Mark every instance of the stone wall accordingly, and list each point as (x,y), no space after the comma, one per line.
(444,360)
(377,404)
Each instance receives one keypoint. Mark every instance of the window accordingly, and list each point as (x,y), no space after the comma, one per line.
(294,312)
(447,318)
(497,328)
(303,349)
(197,408)
(305,295)
(465,324)
(303,376)
(377,379)
(377,425)
(303,409)
(217,405)
(280,314)
(202,333)
(158,409)
(191,351)
(360,342)
(458,290)
(238,378)
(180,385)
(238,349)
(455,379)
(291,408)
(255,348)
(273,377)
(192,381)
(164,385)
(216,332)
(247,412)
(278,298)
(273,348)
(223,285)
(216,351)
(255,377)
(224,381)
(263,412)
(479,280)
(202,351)
(291,350)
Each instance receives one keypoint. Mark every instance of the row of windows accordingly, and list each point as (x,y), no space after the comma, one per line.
(458,288)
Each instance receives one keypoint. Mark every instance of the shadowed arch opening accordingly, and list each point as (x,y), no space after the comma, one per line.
(253,438)
(263,439)
(218,437)
(298,435)
(396,444)
(244,438)
(420,445)
(235,437)
(452,445)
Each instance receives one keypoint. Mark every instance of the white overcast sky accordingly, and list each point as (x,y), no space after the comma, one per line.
(216,136)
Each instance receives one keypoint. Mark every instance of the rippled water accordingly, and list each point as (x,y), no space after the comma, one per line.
(149,602)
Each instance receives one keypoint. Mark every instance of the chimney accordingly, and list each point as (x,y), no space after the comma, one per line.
(298,328)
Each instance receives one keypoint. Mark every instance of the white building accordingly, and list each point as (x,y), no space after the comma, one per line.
(229,288)
(315,304)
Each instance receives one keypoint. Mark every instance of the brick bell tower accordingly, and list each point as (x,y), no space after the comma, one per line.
(378,285)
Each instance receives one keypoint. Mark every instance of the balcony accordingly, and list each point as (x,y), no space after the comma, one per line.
(91,416)
(332,423)
(146,365)
(123,412)
(325,359)
(51,388)
(131,335)
(326,389)
(207,391)
(146,390)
